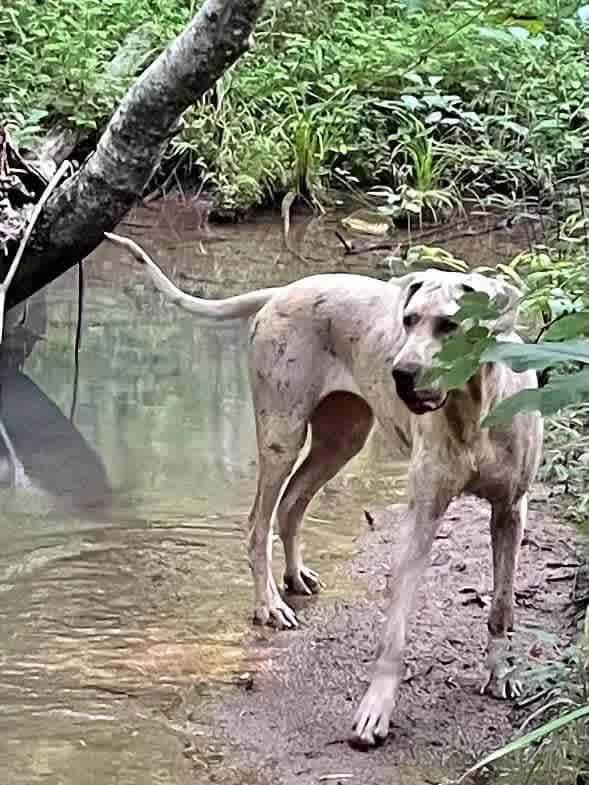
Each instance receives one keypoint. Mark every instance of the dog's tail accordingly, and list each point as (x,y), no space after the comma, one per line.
(238,307)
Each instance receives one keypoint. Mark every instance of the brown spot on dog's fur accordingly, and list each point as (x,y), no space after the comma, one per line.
(328,345)
(277,448)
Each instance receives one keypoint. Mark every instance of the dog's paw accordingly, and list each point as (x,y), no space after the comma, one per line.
(371,721)
(502,680)
(274,612)
(305,582)
(502,686)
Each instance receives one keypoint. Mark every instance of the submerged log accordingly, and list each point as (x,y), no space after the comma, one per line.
(97,196)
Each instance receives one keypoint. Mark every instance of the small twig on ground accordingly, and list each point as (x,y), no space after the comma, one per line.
(344,242)
(5,285)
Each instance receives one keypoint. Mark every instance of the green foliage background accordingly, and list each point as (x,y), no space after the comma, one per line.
(335,92)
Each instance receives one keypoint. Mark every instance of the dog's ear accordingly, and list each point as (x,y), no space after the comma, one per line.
(409,284)
(508,299)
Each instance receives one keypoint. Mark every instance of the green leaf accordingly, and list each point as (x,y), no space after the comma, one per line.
(560,392)
(570,326)
(478,305)
(583,16)
(459,357)
(493,34)
(532,25)
(480,333)
(517,128)
(458,345)
(411,102)
(551,124)
(461,371)
(433,117)
(529,738)
(523,356)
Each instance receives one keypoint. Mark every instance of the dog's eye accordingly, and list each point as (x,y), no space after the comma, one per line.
(447,326)
(410,320)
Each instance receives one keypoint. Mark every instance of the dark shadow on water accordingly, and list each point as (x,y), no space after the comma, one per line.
(49,450)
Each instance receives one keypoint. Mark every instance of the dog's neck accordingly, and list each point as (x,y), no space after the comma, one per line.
(465,408)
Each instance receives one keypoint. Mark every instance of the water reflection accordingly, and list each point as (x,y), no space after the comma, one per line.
(40,447)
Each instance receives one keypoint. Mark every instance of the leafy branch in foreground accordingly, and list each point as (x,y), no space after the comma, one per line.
(555,303)
(465,352)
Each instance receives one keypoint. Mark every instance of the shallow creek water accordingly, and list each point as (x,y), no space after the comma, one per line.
(124,590)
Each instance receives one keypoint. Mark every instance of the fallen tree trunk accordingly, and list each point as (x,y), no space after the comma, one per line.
(96,197)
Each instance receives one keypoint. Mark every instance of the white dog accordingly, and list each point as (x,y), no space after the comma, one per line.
(332,353)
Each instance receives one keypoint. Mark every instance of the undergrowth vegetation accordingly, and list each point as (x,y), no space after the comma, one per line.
(441,98)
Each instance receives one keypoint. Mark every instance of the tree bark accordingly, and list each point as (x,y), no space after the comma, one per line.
(98,195)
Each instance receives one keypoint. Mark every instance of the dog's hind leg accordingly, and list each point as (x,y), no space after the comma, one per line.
(278,449)
(339,428)
(508,522)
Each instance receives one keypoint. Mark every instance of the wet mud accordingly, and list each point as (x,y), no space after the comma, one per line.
(289,719)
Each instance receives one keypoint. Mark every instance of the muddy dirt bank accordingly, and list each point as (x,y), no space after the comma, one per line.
(287,723)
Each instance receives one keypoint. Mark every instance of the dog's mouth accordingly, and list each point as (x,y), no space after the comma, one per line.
(419,400)
(423,404)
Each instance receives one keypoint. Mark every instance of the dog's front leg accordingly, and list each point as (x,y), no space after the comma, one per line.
(371,722)
(507,527)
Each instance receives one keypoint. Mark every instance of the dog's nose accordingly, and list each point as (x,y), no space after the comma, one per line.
(406,375)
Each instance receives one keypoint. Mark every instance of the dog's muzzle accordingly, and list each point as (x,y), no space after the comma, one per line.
(419,400)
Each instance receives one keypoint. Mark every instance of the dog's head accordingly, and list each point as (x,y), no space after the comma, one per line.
(429,303)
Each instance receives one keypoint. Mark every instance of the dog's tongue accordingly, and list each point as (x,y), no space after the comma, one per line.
(429,401)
